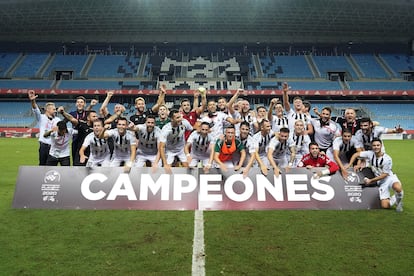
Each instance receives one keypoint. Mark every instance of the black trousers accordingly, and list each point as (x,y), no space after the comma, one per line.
(53,161)
(43,153)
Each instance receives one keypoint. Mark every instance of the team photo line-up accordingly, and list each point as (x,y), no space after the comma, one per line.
(226,134)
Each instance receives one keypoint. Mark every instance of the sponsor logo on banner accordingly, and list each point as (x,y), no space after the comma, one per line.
(352,178)
(187,189)
(354,193)
(51,186)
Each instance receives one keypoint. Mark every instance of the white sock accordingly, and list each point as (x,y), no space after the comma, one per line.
(399,195)
(393,200)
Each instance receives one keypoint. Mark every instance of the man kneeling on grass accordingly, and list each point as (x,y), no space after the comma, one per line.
(381,165)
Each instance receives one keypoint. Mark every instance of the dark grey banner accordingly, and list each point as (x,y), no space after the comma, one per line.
(187,189)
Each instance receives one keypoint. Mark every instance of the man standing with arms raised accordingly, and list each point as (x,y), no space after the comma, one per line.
(46,122)
(295,113)
(141,112)
(193,114)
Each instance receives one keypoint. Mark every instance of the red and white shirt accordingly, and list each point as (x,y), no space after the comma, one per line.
(320,161)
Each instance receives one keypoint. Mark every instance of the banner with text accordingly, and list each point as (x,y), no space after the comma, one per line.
(211,92)
(46,187)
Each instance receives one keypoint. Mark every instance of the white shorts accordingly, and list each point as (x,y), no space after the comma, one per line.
(281,162)
(91,163)
(141,160)
(386,186)
(116,162)
(170,156)
(196,159)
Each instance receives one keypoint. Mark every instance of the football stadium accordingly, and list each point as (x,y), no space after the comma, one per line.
(206,137)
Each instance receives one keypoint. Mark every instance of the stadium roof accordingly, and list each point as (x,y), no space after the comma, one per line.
(237,21)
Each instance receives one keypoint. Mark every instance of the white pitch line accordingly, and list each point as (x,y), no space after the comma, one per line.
(198,265)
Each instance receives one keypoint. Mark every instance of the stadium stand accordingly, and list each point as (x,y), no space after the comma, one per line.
(192,85)
(296,85)
(26,84)
(74,63)
(89,84)
(369,66)
(153,66)
(134,84)
(16,114)
(6,61)
(315,85)
(328,64)
(115,66)
(381,85)
(215,71)
(201,67)
(30,65)
(387,115)
(399,63)
(256,85)
(285,67)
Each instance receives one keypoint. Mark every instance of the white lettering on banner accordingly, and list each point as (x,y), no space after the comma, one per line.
(229,191)
(162,183)
(205,187)
(292,187)
(86,189)
(319,184)
(263,184)
(179,188)
(122,181)
(210,187)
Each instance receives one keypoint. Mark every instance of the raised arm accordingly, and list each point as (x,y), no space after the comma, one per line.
(114,116)
(92,104)
(230,103)
(200,109)
(161,99)
(67,116)
(196,94)
(271,107)
(104,107)
(32,97)
(286,103)
(397,129)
